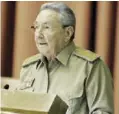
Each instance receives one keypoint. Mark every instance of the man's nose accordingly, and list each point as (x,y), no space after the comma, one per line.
(39,36)
(39,33)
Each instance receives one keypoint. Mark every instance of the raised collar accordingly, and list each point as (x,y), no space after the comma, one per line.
(65,54)
(41,61)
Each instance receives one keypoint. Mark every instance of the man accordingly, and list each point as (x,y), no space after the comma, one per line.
(77,75)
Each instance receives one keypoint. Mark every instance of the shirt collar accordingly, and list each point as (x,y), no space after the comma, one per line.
(65,54)
(41,61)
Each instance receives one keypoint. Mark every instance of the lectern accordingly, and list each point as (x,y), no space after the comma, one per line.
(21,102)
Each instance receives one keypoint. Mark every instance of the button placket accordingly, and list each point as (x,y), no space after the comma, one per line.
(46,80)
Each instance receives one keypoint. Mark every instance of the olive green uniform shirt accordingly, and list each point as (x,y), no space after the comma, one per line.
(77,75)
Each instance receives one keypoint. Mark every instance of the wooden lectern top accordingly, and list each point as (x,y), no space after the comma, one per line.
(31,103)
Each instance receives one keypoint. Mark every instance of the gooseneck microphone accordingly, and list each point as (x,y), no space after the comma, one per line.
(6,86)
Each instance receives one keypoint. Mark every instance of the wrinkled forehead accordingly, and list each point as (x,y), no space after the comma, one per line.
(47,16)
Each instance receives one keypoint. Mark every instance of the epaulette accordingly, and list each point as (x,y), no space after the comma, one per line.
(31,60)
(86,54)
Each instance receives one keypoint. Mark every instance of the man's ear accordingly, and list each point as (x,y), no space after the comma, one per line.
(68,33)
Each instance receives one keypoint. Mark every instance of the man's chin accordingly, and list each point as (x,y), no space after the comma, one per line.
(43,51)
(47,54)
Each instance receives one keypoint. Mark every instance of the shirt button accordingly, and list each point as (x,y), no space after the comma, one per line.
(28,84)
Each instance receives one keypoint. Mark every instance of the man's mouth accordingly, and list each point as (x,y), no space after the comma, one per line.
(43,43)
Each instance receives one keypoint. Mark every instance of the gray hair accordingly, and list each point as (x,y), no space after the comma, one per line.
(67,16)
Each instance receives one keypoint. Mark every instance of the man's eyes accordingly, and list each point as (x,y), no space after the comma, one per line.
(46,27)
(41,27)
(34,27)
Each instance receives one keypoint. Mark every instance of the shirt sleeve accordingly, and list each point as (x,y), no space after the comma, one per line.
(99,89)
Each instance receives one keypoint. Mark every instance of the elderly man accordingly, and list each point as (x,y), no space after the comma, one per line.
(77,75)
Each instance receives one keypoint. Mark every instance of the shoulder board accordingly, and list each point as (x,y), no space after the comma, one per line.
(86,54)
(31,60)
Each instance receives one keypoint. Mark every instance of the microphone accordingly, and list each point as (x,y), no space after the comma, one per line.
(6,86)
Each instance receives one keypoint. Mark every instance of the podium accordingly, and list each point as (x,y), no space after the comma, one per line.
(21,102)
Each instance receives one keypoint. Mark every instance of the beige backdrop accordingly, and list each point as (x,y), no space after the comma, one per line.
(97,30)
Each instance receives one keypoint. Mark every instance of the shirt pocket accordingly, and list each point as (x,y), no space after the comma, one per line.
(27,85)
(76,98)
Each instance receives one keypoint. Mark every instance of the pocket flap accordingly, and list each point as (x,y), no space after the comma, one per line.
(77,92)
(27,84)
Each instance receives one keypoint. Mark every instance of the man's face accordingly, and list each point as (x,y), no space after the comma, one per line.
(49,33)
